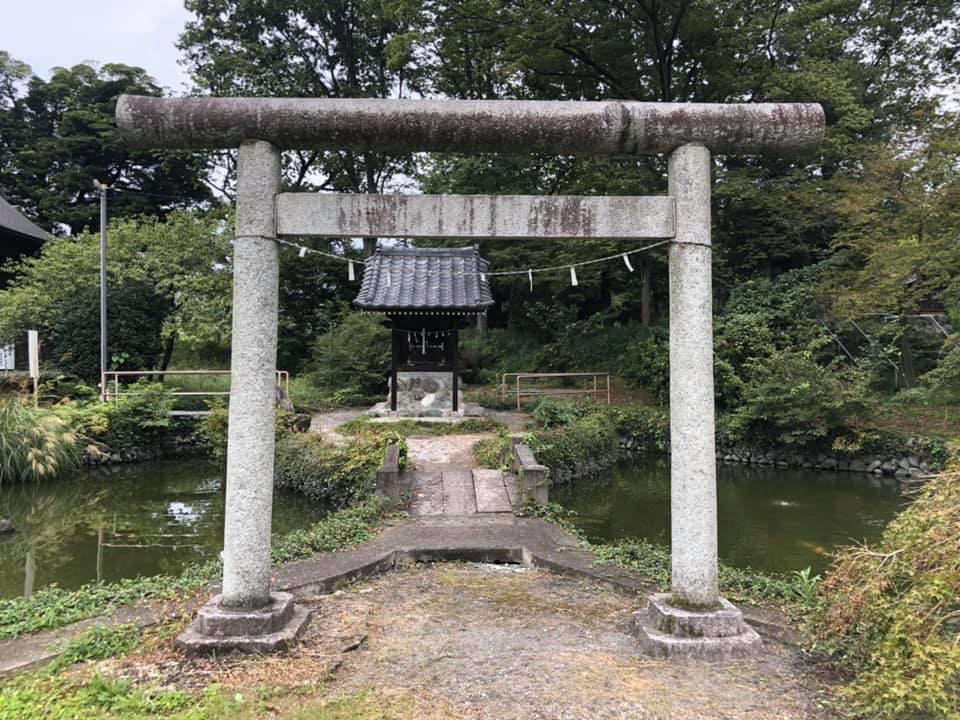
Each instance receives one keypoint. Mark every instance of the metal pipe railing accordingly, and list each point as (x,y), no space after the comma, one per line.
(596,392)
(283,380)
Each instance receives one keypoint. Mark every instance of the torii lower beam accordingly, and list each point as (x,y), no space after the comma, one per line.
(693,620)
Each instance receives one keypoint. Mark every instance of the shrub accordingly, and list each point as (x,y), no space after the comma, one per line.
(35,443)
(211,431)
(492,451)
(331,474)
(350,363)
(648,427)
(551,413)
(890,615)
(790,400)
(142,418)
(587,445)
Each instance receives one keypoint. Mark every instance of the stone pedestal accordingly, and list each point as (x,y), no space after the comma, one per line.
(671,632)
(425,394)
(222,629)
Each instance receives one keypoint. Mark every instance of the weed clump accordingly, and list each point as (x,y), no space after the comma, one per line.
(890,615)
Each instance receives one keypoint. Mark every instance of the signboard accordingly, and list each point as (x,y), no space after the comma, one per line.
(33,351)
(7,358)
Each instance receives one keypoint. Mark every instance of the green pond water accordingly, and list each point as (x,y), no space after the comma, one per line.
(150,518)
(769,519)
(122,521)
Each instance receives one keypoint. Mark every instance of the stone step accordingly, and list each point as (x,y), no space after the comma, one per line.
(491,491)
(459,497)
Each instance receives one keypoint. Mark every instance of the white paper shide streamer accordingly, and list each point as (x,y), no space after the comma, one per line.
(302,251)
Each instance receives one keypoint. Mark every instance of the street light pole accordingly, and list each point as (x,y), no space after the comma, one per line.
(103,288)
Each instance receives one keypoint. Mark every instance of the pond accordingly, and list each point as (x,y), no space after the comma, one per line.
(769,519)
(122,521)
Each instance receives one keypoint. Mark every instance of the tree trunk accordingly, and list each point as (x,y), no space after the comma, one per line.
(482,323)
(645,310)
(906,359)
(168,350)
(369,247)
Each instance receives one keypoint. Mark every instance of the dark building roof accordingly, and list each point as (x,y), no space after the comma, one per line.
(12,222)
(416,280)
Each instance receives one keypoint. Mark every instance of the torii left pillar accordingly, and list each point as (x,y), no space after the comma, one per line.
(247,616)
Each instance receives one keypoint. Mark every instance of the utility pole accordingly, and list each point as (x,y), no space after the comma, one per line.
(103,288)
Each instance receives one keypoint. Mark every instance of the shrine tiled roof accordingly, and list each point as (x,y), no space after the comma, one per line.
(398,279)
(12,221)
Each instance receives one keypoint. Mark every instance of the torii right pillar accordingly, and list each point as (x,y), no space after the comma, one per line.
(692,620)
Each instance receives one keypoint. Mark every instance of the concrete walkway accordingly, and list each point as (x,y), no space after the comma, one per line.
(38,649)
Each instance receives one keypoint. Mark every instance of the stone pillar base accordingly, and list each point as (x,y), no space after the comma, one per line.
(671,632)
(274,627)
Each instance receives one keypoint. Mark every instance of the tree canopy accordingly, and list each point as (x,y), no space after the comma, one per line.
(58,137)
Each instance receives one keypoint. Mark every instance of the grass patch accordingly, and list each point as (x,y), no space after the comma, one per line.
(41,696)
(414,428)
(652,561)
(928,420)
(374,705)
(53,607)
(97,643)
(490,452)
(343,530)
(46,697)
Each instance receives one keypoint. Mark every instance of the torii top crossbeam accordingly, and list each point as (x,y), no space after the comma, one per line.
(469,126)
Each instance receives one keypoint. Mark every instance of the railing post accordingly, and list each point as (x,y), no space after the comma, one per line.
(518,393)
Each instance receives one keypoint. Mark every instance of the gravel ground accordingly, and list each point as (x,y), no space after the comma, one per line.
(499,642)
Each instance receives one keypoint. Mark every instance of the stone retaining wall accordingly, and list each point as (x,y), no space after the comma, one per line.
(100,454)
(903,467)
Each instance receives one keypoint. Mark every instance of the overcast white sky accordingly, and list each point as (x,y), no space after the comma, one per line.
(51,33)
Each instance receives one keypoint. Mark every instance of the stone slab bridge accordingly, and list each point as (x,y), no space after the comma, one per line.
(692,618)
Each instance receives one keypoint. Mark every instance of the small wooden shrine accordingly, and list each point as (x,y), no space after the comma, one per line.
(427,293)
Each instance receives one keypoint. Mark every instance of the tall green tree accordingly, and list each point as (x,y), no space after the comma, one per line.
(871,65)
(303,48)
(900,233)
(179,268)
(58,137)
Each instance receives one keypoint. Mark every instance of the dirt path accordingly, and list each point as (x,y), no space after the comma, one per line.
(497,642)
(326,423)
(443,452)
(438,452)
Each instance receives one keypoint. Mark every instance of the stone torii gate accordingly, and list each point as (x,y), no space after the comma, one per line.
(692,619)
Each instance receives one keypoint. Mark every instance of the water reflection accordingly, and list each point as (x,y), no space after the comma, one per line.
(770,519)
(131,520)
